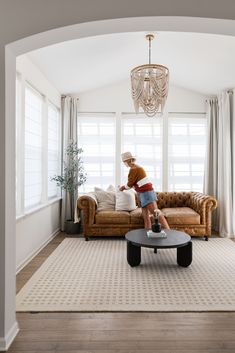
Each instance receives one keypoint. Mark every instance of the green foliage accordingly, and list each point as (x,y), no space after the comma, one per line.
(73,172)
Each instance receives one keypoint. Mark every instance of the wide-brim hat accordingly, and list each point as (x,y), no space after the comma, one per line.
(126,156)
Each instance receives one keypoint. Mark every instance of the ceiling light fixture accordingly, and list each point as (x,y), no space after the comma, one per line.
(150,85)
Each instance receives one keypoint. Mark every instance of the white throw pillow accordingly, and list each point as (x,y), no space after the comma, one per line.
(109,188)
(125,200)
(105,198)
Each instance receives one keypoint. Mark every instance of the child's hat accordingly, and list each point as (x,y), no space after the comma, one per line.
(126,156)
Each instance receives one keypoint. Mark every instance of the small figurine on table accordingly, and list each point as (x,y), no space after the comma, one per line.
(156,226)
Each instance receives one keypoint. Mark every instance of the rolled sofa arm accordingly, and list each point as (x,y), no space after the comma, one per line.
(88,206)
(204,205)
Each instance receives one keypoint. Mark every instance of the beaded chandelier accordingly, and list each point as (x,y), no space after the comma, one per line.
(149,85)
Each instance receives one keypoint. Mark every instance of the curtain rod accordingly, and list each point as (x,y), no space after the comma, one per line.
(216,96)
(65,96)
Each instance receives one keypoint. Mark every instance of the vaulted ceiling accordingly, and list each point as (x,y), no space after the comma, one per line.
(201,62)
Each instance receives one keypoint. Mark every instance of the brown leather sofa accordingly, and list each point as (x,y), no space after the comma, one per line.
(186,211)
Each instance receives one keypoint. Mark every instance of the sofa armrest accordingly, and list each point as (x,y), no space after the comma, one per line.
(88,205)
(203,205)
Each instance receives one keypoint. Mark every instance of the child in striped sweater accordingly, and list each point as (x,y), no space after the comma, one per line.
(137,178)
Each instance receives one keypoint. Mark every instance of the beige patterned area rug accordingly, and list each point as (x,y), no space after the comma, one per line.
(95,276)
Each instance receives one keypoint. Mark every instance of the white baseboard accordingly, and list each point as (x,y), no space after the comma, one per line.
(6,341)
(35,252)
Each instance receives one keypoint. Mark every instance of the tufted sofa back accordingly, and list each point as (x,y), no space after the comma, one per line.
(173,199)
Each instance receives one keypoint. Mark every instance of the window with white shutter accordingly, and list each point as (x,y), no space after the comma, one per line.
(186,152)
(33,148)
(18,166)
(97,136)
(142,136)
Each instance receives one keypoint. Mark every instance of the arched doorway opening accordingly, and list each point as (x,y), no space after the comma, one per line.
(179,24)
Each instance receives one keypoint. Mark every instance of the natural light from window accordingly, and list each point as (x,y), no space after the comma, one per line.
(38,148)
(186,153)
(33,147)
(97,136)
(143,137)
(170,148)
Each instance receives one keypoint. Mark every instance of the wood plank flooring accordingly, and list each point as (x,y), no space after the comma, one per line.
(212,332)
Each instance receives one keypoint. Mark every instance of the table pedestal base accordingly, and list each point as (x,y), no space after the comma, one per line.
(133,254)
(184,255)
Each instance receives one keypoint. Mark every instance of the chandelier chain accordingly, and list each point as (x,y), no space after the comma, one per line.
(149,51)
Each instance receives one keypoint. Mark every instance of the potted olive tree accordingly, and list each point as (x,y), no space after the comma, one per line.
(72,177)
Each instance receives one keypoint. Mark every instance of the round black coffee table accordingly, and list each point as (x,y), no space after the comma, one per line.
(175,239)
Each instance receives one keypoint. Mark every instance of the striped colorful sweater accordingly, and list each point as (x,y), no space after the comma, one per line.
(138,179)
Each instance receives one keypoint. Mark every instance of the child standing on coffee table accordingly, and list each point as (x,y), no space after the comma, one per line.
(137,178)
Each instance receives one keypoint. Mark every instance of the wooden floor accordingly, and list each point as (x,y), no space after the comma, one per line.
(120,332)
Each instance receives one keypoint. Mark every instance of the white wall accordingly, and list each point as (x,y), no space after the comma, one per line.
(117,98)
(35,229)
(34,76)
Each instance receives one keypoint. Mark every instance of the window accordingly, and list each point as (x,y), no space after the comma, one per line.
(37,148)
(54,164)
(170,148)
(33,148)
(18,138)
(186,152)
(143,137)
(97,136)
